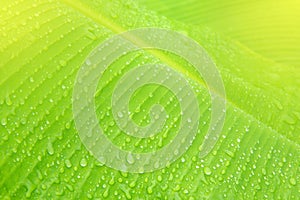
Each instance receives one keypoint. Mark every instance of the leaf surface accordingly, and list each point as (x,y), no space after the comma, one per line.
(43,45)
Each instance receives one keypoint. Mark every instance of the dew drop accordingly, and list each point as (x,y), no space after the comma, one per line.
(278,105)
(113,14)
(159,178)
(263,171)
(207,171)
(31,80)
(89,196)
(30,188)
(68,125)
(68,163)
(3,121)
(120,114)
(50,149)
(105,193)
(229,153)
(8,101)
(176,188)
(130,159)
(247,129)
(156,165)
(88,62)
(69,187)
(62,63)
(23,121)
(149,190)
(289,119)
(293,181)
(83,162)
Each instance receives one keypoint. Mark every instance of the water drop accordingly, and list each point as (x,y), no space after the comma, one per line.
(3,121)
(207,171)
(23,121)
(88,62)
(68,125)
(159,178)
(8,101)
(50,149)
(83,162)
(177,188)
(293,181)
(105,194)
(130,159)
(120,114)
(289,119)
(62,63)
(89,196)
(68,163)
(149,190)
(247,129)
(229,153)
(30,188)
(278,105)
(113,14)
(156,165)
(31,80)
(263,171)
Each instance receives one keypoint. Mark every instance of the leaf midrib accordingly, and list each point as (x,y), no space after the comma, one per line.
(115,28)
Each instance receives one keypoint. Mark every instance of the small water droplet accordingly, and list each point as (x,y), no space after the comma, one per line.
(68,125)
(50,149)
(120,114)
(8,101)
(289,119)
(159,178)
(176,188)
(229,153)
(30,187)
(3,121)
(83,162)
(156,165)
(23,121)
(278,105)
(149,190)
(263,171)
(88,62)
(62,63)
(69,187)
(105,193)
(31,79)
(207,171)
(293,181)
(68,163)
(247,129)
(176,152)
(130,159)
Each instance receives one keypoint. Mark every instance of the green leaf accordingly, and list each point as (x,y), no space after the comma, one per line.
(267,27)
(44,44)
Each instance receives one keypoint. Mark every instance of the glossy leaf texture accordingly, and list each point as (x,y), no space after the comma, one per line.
(270,28)
(44,43)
